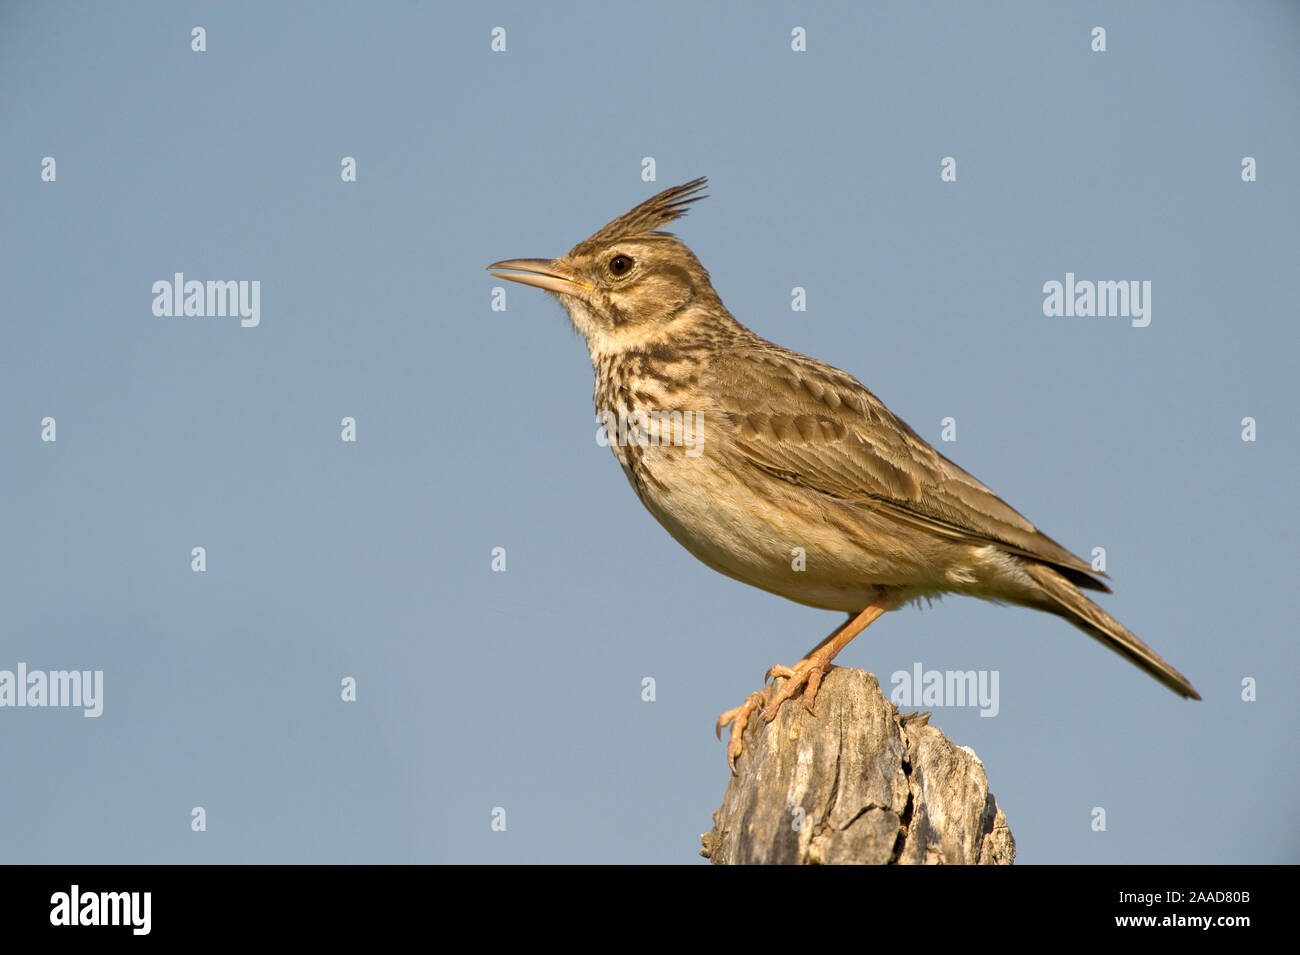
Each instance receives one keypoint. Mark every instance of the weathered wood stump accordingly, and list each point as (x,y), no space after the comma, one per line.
(859,783)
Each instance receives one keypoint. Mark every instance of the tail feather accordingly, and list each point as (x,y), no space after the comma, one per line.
(1064,599)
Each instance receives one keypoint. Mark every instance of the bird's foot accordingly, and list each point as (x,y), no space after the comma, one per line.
(739,719)
(807,673)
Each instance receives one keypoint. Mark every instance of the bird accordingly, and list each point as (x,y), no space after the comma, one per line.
(747,452)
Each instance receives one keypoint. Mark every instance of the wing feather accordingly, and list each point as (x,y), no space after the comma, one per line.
(814,426)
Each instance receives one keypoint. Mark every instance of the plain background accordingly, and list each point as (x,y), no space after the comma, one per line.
(372,560)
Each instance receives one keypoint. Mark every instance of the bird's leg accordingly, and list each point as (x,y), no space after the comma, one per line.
(809,671)
(739,717)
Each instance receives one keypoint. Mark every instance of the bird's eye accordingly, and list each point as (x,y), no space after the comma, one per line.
(620,265)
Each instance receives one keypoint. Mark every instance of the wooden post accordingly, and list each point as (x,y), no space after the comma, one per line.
(857,783)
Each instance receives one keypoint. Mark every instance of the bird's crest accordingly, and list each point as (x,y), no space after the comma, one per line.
(655,212)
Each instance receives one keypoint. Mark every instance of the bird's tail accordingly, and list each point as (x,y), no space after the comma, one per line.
(1065,599)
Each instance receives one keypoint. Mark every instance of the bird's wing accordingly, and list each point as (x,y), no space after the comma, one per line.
(814,426)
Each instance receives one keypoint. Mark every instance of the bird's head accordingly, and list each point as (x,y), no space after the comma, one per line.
(629,280)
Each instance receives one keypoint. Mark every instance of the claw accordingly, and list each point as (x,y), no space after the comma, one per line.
(806,675)
(810,691)
(777,669)
(724,719)
(739,719)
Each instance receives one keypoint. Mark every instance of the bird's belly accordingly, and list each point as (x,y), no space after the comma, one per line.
(768,535)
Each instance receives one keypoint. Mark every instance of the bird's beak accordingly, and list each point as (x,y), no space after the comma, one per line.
(539,273)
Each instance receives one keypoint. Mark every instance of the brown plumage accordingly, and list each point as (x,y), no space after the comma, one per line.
(793,453)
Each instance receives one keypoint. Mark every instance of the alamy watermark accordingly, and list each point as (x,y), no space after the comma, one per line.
(128,909)
(63,688)
(642,429)
(1086,299)
(927,688)
(193,299)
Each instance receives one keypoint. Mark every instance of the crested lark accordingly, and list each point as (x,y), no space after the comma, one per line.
(788,452)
